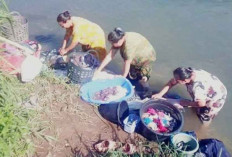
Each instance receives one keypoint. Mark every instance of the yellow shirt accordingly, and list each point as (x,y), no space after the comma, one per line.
(87,33)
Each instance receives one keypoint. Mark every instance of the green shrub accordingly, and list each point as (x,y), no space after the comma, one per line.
(14,119)
(5,17)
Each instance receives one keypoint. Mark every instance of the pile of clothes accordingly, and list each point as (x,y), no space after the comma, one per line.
(81,59)
(53,59)
(159,121)
(84,60)
(110,93)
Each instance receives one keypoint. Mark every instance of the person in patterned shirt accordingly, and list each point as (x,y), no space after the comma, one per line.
(207,91)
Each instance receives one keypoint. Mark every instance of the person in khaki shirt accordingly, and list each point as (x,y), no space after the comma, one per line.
(138,55)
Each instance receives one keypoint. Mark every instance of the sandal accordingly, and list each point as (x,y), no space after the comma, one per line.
(129,148)
(203,117)
(105,146)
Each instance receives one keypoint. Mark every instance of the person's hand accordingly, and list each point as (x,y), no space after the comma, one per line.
(62,51)
(122,76)
(176,103)
(157,96)
(96,73)
(88,47)
(179,107)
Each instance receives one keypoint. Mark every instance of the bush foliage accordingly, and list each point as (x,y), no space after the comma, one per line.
(14,119)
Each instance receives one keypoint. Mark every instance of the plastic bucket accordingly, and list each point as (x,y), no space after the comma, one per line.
(185,144)
(114,112)
(167,107)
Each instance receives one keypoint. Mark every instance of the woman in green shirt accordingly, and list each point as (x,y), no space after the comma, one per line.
(136,51)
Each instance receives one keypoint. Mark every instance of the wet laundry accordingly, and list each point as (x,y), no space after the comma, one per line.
(158,120)
(84,60)
(80,59)
(53,59)
(110,93)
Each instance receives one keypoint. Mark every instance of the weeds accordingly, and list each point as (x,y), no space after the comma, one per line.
(14,119)
(19,125)
(5,17)
(52,90)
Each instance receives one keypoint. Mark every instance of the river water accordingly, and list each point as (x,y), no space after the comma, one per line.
(195,33)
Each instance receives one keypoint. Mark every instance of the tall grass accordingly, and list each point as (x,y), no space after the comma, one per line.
(19,125)
(15,122)
(5,17)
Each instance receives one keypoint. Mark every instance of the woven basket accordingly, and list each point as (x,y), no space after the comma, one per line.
(78,74)
(17,30)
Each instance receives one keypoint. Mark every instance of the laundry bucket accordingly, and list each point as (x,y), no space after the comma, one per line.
(186,144)
(166,107)
(130,123)
(114,112)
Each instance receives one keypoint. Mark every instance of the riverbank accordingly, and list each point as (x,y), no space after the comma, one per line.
(74,125)
(60,123)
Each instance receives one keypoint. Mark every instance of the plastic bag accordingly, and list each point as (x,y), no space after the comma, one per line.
(30,68)
(213,147)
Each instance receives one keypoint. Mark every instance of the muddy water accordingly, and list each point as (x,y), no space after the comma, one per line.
(184,33)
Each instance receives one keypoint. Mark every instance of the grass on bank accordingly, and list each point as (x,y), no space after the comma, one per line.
(20,123)
(15,120)
(6,18)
